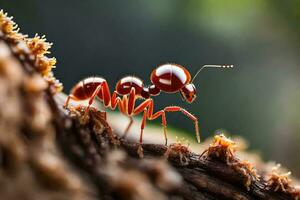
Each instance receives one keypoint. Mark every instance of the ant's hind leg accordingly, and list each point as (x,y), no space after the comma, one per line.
(66,104)
(128,127)
(91,100)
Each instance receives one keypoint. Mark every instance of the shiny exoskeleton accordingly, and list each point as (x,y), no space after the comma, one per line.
(169,78)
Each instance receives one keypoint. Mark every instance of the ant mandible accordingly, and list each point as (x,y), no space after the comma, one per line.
(169,78)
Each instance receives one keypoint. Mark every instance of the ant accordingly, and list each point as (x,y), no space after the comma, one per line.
(169,78)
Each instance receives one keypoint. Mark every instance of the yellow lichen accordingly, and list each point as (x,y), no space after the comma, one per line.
(38,45)
(247,169)
(279,180)
(9,27)
(222,148)
(179,149)
(31,50)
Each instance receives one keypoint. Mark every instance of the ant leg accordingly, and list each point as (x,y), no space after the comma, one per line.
(128,127)
(115,101)
(149,103)
(161,113)
(186,113)
(91,100)
(143,125)
(106,94)
(140,148)
(124,107)
(129,105)
(131,102)
(66,104)
(164,123)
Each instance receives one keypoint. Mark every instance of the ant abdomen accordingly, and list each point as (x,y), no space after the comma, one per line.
(85,88)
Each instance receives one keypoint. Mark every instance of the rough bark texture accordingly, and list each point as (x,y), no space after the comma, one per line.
(47,152)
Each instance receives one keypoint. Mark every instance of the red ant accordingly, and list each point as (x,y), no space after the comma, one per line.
(169,78)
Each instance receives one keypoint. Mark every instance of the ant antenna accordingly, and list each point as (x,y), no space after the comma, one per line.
(210,66)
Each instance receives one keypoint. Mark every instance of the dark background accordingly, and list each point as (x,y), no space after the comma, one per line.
(259,99)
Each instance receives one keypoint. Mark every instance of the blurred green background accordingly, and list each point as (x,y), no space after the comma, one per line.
(259,99)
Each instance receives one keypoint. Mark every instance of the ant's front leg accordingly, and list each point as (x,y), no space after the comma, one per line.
(188,114)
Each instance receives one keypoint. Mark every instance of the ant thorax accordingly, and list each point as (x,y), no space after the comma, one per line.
(125,85)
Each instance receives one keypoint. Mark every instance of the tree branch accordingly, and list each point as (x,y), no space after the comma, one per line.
(47,152)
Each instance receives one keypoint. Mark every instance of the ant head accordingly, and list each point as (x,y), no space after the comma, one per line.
(188,92)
